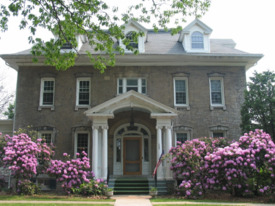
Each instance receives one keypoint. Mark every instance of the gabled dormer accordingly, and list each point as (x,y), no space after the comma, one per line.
(195,37)
(134,27)
(67,47)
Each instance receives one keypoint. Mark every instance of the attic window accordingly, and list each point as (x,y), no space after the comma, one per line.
(197,40)
(130,36)
(67,46)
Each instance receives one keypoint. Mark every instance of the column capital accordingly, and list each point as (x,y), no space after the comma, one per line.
(105,127)
(95,127)
(168,127)
(159,127)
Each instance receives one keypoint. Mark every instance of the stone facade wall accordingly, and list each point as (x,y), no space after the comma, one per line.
(200,118)
(6,126)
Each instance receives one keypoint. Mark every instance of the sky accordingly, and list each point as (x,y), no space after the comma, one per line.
(250,23)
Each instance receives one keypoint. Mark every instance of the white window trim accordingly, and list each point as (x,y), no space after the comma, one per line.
(187,94)
(41,105)
(222,105)
(175,136)
(75,142)
(46,132)
(77,92)
(124,84)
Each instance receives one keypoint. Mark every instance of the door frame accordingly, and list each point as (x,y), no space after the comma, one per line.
(140,156)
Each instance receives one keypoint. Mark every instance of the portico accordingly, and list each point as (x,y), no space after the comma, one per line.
(135,145)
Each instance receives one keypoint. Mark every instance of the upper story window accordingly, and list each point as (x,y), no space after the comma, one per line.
(133,42)
(181,91)
(127,84)
(83,89)
(47,92)
(181,137)
(197,40)
(216,91)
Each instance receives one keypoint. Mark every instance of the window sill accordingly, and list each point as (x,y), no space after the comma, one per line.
(212,107)
(46,107)
(182,108)
(77,107)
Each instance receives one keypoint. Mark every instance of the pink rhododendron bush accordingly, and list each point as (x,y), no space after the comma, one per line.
(22,155)
(72,172)
(244,167)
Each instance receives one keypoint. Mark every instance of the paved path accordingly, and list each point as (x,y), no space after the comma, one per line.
(132,200)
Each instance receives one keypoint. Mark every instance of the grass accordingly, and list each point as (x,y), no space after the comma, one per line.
(183,200)
(45,197)
(49,204)
(192,205)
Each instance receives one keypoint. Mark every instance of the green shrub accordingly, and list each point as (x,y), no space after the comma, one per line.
(26,187)
(94,187)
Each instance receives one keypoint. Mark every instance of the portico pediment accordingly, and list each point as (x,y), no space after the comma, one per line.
(134,100)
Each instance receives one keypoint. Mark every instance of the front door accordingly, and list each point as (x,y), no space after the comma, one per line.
(132,161)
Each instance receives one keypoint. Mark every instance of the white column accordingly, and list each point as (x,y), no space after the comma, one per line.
(104,167)
(168,145)
(159,151)
(95,151)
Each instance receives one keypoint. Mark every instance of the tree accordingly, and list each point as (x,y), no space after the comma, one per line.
(68,18)
(10,112)
(258,109)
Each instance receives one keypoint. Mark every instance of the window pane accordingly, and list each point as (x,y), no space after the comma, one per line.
(48,90)
(216,93)
(146,152)
(84,93)
(132,82)
(197,40)
(180,91)
(218,134)
(181,137)
(82,143)
(47,137)
(118,150)
(130,36)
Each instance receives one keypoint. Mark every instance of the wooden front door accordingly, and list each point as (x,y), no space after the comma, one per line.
(132,161)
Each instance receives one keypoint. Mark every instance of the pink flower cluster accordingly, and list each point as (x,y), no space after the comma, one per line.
(72,173)
(22,155)
(245,166)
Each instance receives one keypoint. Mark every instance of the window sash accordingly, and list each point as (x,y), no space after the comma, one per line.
(128,84)
(82,142)
(181,137)
(197,40)
(83,91)
(181,92)
(216,91)
(47,137)
(47,92)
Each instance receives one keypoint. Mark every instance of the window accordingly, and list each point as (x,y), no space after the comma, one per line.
(46,137)
(83,91)
(180,92)
(218,134)
(131,37)
(197,40)
(127,84)
(216,91)
(82,142)
(118,150)
(47,92)
(182,137)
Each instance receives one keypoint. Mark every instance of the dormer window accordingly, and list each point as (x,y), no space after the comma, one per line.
(197,40)
(131,37)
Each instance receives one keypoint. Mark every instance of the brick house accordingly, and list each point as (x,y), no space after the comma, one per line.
(178,88)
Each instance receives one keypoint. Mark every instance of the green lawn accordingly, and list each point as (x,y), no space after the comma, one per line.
(182,200)
(45,197)
(49,204)
(192,205)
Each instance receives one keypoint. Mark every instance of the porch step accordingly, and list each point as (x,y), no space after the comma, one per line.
(138,185)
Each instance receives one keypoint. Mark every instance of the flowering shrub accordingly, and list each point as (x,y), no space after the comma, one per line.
(189,166)
(22,155)
(243,167)
(71,173)
(27,187)
(94,187)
